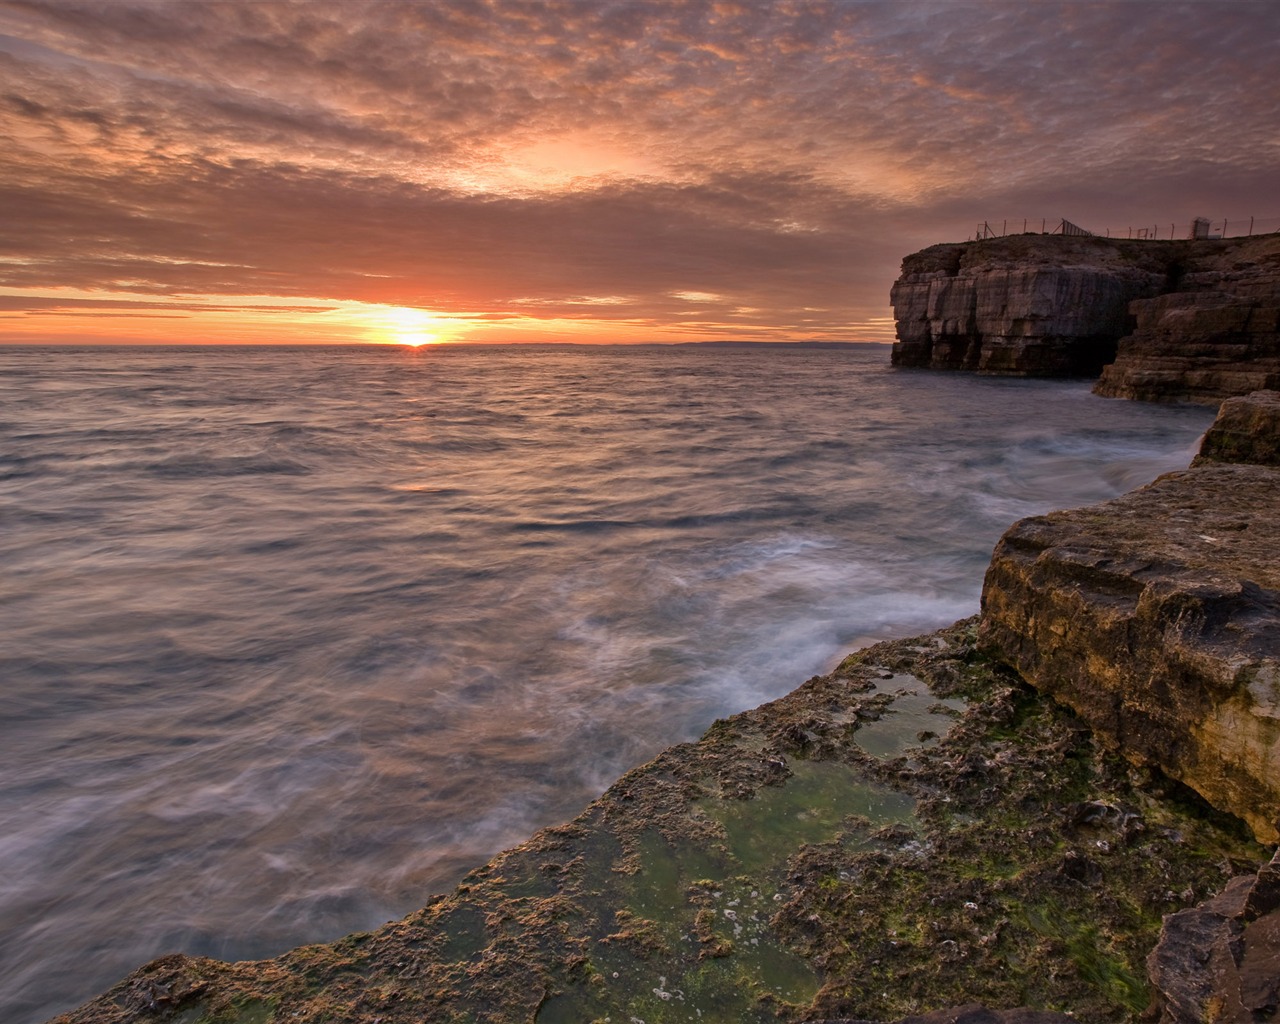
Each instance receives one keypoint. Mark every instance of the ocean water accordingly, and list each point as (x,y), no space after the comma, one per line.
(291,638)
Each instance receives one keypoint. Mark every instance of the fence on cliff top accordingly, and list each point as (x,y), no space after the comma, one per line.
(1223,227)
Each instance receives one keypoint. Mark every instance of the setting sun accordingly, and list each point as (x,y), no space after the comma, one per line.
(401,325)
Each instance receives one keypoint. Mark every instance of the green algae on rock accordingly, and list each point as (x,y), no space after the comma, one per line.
(776,870)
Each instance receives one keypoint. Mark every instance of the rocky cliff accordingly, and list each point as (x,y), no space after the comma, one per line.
(1180,320)
(1216,336)
(1156,617)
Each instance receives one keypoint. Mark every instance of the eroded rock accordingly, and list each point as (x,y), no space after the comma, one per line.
(974,1013)
(1215,336)
(1191,320)
(1025,305)
(1156,617)
(1247,430)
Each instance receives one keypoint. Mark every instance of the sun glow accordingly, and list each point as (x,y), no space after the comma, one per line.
(403,325)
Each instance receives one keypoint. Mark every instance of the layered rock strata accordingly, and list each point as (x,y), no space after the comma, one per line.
(1156,617)
(1247,429)
(1024,305)
(1216,336)
(1180,320)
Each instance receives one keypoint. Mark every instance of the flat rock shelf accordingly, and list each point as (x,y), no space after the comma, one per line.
(778,869)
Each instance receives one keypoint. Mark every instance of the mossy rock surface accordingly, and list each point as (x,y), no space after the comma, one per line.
(979,848)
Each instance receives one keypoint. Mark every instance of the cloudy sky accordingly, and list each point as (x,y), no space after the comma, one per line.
(589,171)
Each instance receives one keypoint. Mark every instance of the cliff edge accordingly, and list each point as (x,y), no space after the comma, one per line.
(1194,320)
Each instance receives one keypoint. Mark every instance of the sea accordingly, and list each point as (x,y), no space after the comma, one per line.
(293,637)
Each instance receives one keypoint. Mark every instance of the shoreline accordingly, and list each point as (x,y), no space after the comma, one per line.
(803,860)
(1007,863)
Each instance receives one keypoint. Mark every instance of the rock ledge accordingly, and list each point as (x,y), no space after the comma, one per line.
(1156,617)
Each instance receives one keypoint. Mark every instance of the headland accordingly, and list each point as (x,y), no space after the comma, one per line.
(1195,320)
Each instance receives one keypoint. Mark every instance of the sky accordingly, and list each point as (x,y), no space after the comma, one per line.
(587,171)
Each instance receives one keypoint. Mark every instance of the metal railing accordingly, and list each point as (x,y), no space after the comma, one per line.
(1200,227)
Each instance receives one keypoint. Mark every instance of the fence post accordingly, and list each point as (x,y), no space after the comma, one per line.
(1224,227)
(1004,229)
(1042,224)
(1250,225)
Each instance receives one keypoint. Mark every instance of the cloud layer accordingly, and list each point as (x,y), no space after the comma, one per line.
(684,169)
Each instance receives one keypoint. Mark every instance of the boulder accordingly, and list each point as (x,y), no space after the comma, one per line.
(1220,961)
(1247,430)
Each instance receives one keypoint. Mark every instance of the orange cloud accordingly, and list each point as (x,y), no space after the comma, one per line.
(463,157)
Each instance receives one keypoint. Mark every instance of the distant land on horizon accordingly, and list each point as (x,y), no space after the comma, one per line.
(450,344)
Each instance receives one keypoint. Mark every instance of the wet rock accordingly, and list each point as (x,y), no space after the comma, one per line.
(1093,814)
(1079,868)
(973,1014)
(713,878)
(164,985)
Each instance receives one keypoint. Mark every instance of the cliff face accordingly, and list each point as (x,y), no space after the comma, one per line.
(1217,336)
(1050,306)
(1156,617)
(1025,305)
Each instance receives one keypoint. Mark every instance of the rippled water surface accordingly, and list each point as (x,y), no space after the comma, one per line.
(290,638)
